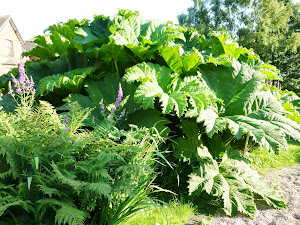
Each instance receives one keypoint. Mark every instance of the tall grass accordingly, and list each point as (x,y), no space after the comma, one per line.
(261,159)
(177,214)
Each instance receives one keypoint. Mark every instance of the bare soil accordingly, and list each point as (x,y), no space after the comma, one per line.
(289,180)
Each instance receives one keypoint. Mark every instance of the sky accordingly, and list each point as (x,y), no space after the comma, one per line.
(32,17)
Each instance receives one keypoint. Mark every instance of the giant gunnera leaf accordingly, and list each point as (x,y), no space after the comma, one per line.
(247,108)
(233,181)
(176,95)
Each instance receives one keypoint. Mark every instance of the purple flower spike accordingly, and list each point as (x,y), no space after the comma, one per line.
(65,120)
(119,98)
(67,128)
(122,113)
(28,88)
(10,91)
(19,91)
(22,79)
(120,92)
(102,106)
(21,68)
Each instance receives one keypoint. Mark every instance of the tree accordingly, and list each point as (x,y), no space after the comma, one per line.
(214,15)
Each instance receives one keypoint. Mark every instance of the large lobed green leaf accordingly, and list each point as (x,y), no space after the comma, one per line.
(72,80)
(234,181)
(247,109)
(174,93)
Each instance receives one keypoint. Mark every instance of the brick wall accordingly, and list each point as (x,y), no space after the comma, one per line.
(8,33)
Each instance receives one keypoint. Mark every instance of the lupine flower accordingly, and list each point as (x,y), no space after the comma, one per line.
(102,106)
(10,91)
(21,68)
(267,82)
(22,79)
(278,84)
(120,95)
(65,120)
(23,85)
(19,90)
(122,113)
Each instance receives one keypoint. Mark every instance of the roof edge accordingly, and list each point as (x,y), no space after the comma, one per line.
(9,19)
(17,31)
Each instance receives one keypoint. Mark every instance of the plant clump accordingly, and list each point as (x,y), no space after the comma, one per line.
(203,95)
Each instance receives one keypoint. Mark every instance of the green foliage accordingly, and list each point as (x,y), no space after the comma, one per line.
(229,178)
(46,174)
(248,109)
(270,27)
(207,16)
(290,102)
(173,92)
(201,92)
(234,181)
(71,80)
(261,159)
(178,214)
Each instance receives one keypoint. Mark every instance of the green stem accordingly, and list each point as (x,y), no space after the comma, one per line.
(116,66)
(246,144)
(229,140)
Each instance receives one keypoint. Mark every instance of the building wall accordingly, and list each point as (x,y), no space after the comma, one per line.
(8,33)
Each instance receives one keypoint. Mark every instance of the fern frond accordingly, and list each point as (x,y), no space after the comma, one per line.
(11,201)
(48,190)
(74,184)
(98,189)
(6,174)
(69,215)
(77,116)
(50,202)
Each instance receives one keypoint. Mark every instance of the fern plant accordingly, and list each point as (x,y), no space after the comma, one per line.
(53,175)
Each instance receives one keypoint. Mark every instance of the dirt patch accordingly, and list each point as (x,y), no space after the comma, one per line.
(289,180)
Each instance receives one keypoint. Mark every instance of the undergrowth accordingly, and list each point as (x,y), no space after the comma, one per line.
(261,159)
(177,214)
